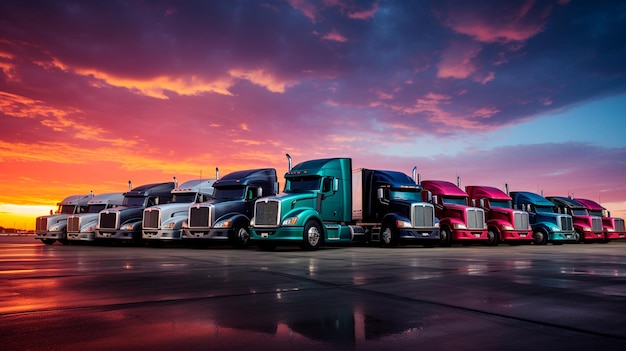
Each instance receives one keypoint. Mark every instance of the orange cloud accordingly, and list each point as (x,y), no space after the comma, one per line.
(364,14)
(456,60)
(335,36)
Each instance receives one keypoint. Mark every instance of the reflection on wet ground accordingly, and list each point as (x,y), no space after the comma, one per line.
(82,297)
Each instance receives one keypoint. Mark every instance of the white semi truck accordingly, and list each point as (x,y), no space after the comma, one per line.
(52,228)
(82,226)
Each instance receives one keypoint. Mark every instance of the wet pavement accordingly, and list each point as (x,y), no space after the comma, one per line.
(81,297)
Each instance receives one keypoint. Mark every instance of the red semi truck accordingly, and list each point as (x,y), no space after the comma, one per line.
(458,222)
(504,223)
(613,227)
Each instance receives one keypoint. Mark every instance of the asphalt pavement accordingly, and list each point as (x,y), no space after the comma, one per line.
(527,297)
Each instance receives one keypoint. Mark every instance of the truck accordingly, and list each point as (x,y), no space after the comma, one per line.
(53,227)
(226,217)
(81,227)
(587,228)
(613,227)
(458,221)
(123,223)
(326,202)
(504,223)
(547,225)
(164,223)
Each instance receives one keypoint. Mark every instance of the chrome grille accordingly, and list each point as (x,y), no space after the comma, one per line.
(73,224)
(42,223)
(520,220)
(423,215)
(619,224)
(566,223)
(200,217)
(596,224)
(107,220)
(475,218)
(151,219)
(266,213)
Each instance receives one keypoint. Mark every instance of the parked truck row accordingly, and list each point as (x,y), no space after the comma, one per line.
(323,202)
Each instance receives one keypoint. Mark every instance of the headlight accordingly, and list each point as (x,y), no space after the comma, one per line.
(127,227)
(224,224)
(402,224)
(290,221)
(54,228)
(460,226)
(507,227)
(88,230)
(586,229)
(170,225)
(610,230)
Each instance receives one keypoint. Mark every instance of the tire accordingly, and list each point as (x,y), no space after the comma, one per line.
(445,236)
(388,236)
(48,241)
(540,237)
(580,237)
(240,236)
(312,236)
(493,238)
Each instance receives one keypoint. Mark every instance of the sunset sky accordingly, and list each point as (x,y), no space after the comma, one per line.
(96,93)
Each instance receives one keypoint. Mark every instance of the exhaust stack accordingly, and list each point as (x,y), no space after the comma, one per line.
(288,160)
(458,181)
(130,185)
(217,173)
(414,174)
(506,188)
(175,183)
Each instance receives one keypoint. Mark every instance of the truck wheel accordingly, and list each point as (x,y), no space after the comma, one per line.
(48,241)
(540,237)
(493,238)
(388,237)
(312,236)
(445,236)
(579,237)
(241,236)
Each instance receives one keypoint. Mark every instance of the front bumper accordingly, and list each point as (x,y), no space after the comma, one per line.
(161,234)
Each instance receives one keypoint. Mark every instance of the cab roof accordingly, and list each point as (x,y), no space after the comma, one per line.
(565,201)
(486,192)
(590,204)
(442,187)
(532,198)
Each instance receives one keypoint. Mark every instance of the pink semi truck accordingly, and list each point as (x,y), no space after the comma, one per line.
(458,222)
(613,227)
(504,224)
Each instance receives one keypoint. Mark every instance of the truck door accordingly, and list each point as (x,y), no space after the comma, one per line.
(328,206)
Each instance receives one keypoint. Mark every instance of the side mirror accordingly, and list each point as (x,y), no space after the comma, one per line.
(335,184)
(259,192)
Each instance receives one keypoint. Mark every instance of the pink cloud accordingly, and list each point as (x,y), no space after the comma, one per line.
(334,35)
(456,60)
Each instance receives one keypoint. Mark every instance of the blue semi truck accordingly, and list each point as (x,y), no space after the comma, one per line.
(547,224)
(325,202)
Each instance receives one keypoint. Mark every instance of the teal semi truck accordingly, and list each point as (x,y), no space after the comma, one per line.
(547,224)
(325,202)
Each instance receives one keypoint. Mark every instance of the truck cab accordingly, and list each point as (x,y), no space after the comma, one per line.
(53,227)
(314,208)
(82,226)
(162,223)
(458,222)
(547,224)
(388,206)
(588,228)
(123,223)
(504,223)
(226,217)
(613,227)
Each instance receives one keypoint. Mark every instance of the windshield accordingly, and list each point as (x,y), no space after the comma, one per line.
(411,195)
(579,212)
(597,213)
(184,198)
(229,193)
(500,203)
(133,201)
(544,209)
(303,184)
(452,200)
(96,208)
(66,209)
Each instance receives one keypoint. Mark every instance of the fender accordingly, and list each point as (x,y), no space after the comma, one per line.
(304,215)
(234,217)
